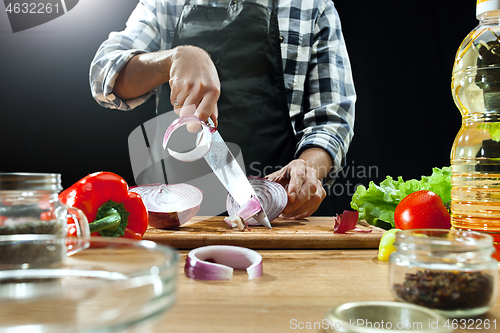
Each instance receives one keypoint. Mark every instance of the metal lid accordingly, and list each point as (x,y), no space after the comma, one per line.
(30,181)
(383,316)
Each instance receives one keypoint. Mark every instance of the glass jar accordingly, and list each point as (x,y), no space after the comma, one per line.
(33,222)
(450,271)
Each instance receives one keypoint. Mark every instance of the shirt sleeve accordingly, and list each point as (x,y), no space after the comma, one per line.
(140,35)
(329,119)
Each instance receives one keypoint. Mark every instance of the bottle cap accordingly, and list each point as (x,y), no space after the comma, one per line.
(483,6)
(30,182)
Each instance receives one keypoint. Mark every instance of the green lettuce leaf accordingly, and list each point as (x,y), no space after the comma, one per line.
(493,129)
(377,203)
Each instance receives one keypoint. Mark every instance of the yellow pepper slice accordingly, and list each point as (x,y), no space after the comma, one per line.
(386,245)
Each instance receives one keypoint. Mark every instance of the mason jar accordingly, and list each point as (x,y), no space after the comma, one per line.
(450,271)
(33,222)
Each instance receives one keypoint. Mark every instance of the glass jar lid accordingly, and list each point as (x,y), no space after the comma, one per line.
(30,182)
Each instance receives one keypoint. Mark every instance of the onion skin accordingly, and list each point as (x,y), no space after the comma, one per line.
(217,262)
(164,220)
(171,220)
(346,221)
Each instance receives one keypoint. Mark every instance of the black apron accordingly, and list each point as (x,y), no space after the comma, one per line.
(244,43)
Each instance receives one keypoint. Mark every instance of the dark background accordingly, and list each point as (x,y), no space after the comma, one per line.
(401,53)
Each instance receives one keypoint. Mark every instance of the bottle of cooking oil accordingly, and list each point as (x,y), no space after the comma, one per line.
(475,156)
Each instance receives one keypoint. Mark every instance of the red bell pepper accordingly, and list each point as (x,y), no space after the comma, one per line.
(112,211)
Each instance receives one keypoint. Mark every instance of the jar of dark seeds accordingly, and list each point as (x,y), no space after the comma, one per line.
(33,221)
(449,271)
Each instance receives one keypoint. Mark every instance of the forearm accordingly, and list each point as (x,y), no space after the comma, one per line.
(189,70)
(143,73)
(319,160)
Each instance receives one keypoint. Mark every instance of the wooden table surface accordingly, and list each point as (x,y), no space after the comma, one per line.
(296,290)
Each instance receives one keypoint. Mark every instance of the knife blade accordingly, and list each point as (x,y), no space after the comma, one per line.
(229,172)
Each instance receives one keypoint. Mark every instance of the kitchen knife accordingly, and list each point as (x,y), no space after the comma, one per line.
(227,169)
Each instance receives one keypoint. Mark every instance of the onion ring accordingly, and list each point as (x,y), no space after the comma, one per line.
(217,262)
(203,140)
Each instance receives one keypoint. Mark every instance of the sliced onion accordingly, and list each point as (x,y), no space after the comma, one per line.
(243,214)
(204,139)
(217,262)
(170,205)
(347,221)
(272,196)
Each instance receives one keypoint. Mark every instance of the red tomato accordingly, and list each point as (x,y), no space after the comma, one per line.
(422,210)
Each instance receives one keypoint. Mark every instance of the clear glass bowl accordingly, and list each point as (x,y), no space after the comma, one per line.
(449,271)
(112,285)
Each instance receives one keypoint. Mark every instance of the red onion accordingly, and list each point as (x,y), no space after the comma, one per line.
(240,217)
(203,141)
(347,221)
(170,205)
(272,197)
(217,262)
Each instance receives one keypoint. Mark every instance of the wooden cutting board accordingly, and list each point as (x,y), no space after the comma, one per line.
(310,233)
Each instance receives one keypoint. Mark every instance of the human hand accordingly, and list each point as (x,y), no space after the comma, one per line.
(194,82)
(304,189)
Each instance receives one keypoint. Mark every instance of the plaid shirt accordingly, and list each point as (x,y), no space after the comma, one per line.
(316,67)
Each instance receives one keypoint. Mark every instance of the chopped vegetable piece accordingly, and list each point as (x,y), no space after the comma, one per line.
(240,217)
(386,246)
(345,222)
